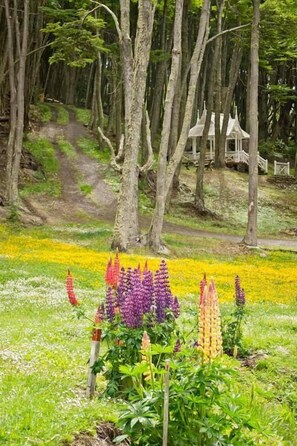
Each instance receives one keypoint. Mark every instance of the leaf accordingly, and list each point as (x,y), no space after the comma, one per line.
(120,438)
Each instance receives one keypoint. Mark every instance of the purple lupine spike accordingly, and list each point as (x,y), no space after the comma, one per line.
(148,291)
(137,293)
(164,281)
(127,311)
(160,298)
(241,299)
(122,288)
(237,287)
(110,313)
(175,307)
(177,347)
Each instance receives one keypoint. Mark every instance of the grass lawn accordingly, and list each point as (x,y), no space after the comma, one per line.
(44,349)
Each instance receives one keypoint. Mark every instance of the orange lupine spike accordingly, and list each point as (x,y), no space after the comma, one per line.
(70,290)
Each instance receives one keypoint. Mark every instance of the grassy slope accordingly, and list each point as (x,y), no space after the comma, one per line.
(44,350)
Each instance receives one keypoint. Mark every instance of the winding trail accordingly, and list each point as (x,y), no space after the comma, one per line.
(74,206)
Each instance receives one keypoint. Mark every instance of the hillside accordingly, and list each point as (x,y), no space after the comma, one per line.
(66,178)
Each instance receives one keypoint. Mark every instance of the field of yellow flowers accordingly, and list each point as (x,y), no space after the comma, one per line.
(266,277)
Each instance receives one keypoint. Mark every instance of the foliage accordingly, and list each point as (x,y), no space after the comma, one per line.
(76,41)
(135,301)
(203,410)
(232,327)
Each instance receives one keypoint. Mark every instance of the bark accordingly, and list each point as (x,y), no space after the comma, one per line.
(166,180)
(251,231)
(234,70)
(14,149)
(155,112)
(219,156)
(126,231)
(157,221)
(199,193)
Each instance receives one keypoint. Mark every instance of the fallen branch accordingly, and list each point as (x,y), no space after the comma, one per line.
(113,162)
(150,160)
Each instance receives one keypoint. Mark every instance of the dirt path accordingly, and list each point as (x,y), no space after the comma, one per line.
(74,206)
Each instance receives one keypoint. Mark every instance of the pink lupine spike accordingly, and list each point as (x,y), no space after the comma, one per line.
(70,290)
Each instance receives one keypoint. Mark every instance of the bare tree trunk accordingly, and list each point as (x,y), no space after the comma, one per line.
(157,222)
(251,230)
(126,231)
(166,181)
(219,156)
(15,141)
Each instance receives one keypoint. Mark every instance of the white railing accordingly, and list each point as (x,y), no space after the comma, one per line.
(281,168)
(238,157)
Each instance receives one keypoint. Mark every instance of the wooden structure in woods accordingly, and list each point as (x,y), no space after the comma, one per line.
(235,135)
(281,168)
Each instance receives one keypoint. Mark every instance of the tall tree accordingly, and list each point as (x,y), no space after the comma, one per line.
(251,230)
(126,230)
(17,43)
(164,183)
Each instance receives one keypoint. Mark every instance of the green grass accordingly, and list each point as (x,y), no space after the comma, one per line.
(82,115)
(66,148)
(62,115)
(44,349)
(90,147)
(47,181)
(86,189)
(44,112)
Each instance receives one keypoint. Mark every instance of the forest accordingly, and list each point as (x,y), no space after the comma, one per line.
(148,158)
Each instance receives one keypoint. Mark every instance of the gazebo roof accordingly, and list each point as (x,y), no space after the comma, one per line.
(234,131)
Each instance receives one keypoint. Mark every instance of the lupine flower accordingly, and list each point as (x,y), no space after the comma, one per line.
(160,298)
(116,270)
(202,286)
(146,357)
(108,274)
(164,282)
(210,336)
(148,291)
(99,314)
(70,291)
(110,304)
(175,307)
(239,293)
(177,347)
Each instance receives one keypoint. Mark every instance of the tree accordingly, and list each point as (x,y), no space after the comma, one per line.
(17,43)
(251,231)
(168,169)
(126,230)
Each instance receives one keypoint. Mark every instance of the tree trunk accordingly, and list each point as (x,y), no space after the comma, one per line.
(157,221)
(166,180)
(126,232)
(219,156)
(251,231)
(15,141)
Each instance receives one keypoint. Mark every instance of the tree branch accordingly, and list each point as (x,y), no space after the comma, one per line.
(227,31)
(150,159)
(115,19)
(113,162)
